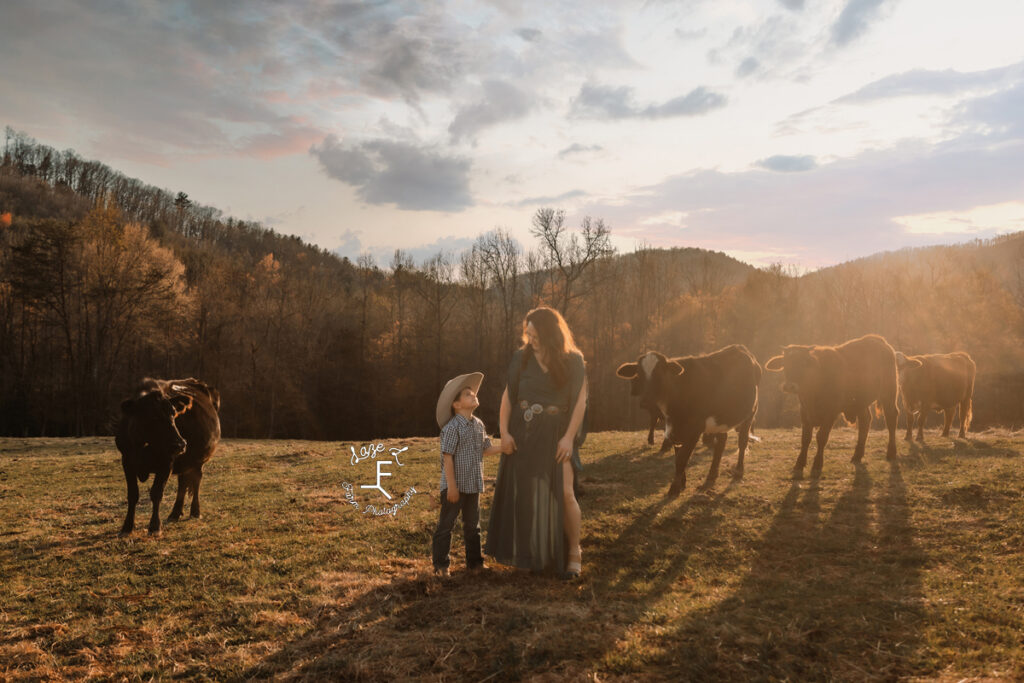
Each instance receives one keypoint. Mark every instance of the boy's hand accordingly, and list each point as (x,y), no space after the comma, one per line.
(564,451)
(508,444)
(453,495)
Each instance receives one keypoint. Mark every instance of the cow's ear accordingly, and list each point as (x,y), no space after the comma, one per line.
(627,370)
(674,367)
(775,364)
(128,407)
(181,404)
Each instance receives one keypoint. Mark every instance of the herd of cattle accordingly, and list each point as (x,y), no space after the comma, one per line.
(712,394)
(172,426)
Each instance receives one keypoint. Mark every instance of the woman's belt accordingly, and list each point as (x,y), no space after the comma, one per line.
(530,410)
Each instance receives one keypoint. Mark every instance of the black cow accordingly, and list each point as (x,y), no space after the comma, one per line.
(699,394)
(170,427)
(658,420)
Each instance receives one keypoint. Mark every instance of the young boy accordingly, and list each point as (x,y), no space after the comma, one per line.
(464,442)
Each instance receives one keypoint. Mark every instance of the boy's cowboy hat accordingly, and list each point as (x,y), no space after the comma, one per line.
(451,392)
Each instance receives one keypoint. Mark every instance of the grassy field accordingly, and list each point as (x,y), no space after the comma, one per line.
(873,572)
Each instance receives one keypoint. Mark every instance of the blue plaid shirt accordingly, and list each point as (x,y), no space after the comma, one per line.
(466,440)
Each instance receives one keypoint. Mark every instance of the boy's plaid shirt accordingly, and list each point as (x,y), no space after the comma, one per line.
(466,440)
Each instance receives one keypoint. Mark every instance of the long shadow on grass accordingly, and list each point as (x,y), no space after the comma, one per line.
(938,450)
(509,624)
(829,596)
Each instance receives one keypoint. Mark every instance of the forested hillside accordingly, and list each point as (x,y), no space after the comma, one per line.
(104,280)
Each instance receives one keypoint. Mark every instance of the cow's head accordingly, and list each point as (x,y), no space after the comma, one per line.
(803,366)
(154,416)
(906,365)
(648,376)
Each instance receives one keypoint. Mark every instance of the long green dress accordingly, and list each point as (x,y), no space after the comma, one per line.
(525,528)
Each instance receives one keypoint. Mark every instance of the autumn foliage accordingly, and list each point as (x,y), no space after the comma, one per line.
(104,280)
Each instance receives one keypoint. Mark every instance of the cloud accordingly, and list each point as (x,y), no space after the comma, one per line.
(687,35)
(764,48)
(604,102)
(501,102)
(413,55)
(399,173)
(747,67)
(351,246)
(999,218)
(930,82)
(855,20)
(787,164)
(794,5)
(999,115)
(551,200)
(848,207)
(530,35)
(576,149)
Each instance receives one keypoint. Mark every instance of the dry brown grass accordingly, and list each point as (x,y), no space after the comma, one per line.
(874,572)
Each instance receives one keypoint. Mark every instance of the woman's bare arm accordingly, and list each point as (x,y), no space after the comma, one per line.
(565,444)
(508,444)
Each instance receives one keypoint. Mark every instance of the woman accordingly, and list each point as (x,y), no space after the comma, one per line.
(535,519)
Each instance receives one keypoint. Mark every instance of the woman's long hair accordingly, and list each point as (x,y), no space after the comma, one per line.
(555,339)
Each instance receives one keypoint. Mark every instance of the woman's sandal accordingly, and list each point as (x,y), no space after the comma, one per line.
(573,567)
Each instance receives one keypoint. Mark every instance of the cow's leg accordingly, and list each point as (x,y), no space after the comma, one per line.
(197,477)
(819,455)
(922,417)
(132,481)
(947,420)
(718,444)
(156,494)
(650,432)
(666,444)
(743,434)
(683,453)
(179,502)
(965,416)
(892,416)
(909,410)
(863,425)
(805,442)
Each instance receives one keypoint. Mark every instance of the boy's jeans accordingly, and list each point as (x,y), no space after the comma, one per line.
(469,505)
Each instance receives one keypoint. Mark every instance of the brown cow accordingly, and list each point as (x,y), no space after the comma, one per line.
(171,426)
(936,381)
(698,395)
(834,380)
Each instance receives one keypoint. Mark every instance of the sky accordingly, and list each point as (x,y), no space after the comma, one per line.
(799,132)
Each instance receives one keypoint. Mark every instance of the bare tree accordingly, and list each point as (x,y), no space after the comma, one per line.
(503,259)
(402,270)
(475,277)
(437,288)
(567,255)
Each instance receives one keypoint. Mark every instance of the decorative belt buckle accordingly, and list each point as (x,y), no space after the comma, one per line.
(537,408)
(527,415)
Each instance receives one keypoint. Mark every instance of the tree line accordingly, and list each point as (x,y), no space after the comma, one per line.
(104,280)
